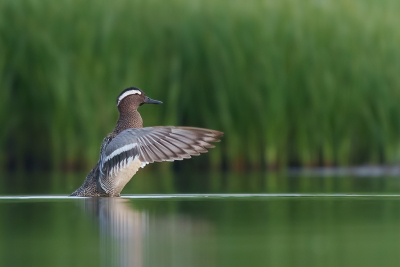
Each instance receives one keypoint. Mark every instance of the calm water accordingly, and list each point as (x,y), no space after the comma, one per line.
(202,220)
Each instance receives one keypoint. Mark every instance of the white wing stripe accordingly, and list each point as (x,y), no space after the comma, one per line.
(119,151)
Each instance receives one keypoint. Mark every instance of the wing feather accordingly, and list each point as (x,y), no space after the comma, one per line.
(155,144)
(150,149)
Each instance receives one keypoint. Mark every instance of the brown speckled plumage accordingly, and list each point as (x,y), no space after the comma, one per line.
(129,117)
(141,146)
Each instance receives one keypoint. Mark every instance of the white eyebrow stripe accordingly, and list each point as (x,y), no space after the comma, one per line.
(130,92)
(119,151)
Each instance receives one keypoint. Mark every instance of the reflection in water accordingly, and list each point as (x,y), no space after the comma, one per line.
(129,237)
(276,230)
(122,230)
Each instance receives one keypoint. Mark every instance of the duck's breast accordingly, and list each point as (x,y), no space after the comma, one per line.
(125,174)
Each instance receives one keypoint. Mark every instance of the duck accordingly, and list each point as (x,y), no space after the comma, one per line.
(130,147)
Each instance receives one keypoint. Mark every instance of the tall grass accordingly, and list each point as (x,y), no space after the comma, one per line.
(290,82)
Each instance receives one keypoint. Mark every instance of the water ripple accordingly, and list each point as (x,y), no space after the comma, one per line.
(200,196)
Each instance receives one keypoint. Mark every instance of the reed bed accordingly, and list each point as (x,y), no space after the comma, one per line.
(311,82)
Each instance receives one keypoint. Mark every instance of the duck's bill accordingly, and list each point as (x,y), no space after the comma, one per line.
(148,100)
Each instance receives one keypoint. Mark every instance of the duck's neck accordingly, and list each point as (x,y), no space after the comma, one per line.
(128,120)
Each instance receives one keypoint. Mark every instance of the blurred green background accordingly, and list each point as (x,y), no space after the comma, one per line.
(290,82)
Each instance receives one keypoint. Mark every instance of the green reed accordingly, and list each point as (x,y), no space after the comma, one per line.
(290,82)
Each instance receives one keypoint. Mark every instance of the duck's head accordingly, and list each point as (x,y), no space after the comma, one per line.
(131,98)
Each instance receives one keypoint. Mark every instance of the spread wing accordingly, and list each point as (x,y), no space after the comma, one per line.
(155,144)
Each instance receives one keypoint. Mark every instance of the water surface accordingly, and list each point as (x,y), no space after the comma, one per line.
(237,220)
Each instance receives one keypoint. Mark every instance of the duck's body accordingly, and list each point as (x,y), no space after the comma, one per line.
(130,146)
